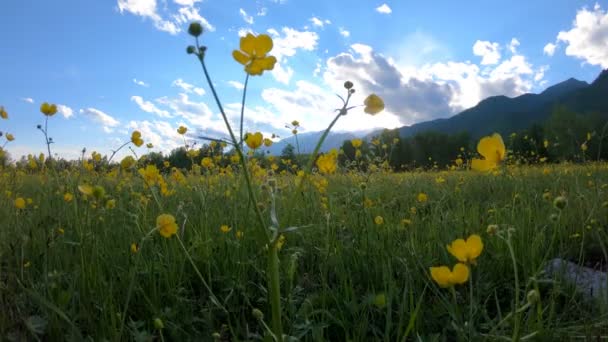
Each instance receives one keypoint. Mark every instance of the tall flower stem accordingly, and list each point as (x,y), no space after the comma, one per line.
(46,136)
(243,109)
(116,151)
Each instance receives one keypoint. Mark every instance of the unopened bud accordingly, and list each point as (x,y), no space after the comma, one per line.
(533,296)
(560,202)
(158,323)
(348,84)
(190,49)
(195,29)
(258,314)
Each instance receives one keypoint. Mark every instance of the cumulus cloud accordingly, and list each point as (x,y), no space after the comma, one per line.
(150,107)
(549,49)
(187,87)
(513,45)
(140,83)
(168,22)
(236,85)
(64,110)
(489,52)
(319,22)
(27,99)
(286,44)
(247,18)
(588,37)
(345,33)
(384,9)
(107,122)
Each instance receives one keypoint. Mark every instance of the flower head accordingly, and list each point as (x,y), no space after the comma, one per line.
(445,277)
(373,104)
(356,143)
(422,197)
(327,163)
(254,140)
(20,203)
(9,137)
(252,54)
(379,220)
(466,251)
(136,139)
(166,225)
(492,148)
(3,113)
(48,109)
(182,130)
(225,229)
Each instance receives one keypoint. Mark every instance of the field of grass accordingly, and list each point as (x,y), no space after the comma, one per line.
(354,267)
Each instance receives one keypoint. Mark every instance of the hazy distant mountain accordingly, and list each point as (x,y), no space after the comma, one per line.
(308,141)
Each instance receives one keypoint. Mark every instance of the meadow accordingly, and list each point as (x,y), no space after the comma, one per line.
(248,247)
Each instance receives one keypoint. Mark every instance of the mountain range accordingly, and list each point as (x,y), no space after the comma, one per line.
(500,114)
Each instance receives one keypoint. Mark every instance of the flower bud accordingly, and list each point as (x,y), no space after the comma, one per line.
(258,314)
(158,323)
(533,296)
(348,84)
(195,29)
(560,202)
(190,49)
(492,229)
(216,336)
(554,217)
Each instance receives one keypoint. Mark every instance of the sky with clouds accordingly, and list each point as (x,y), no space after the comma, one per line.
(114,66)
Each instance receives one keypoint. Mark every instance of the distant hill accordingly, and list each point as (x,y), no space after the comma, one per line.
(308,141)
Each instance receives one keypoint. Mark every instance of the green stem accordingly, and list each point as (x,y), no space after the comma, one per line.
(118,149)
(515,271)
(243,108)
(275,291)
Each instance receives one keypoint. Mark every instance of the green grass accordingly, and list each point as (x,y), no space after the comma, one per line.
(342,276)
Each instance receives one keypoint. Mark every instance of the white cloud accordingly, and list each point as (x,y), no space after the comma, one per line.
(27,99)
(540,73)
(161,134)
(186,2)
(286,44)
(247,18)
(150,107)
(549,49)
(106,121)
(384,9)
(236,85)
(187,15)
(345,33)
(148,9)
(262,12)
(140,83)
(318,22)
(588,37)
(513,45)
(188,88)
(64,110)
(489,52)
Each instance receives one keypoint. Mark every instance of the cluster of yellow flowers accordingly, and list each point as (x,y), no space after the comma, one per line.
(466,252)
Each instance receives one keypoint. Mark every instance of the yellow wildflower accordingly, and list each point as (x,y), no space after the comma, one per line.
(182,130)
(20,203)
(252,54)
(3,113)
(267,142)
(254,140)
(378,220)
(422,197)
(9,137)
(225,229)
(466,251)
(166,225)
(85,190)
(136,139)
(239,234)
(111,204)
(48,109)
(207,162)
(356,143)
(492,148)
(127,162)
(445,277)
(373,104)
(60,231)
(134,248)
(327,163)
(584,146)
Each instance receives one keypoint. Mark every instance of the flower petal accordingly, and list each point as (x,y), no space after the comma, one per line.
(458,249)
(441,275)
(474,246)
(460,274)
(373,104)
(267,63)
(240,57)
(263,45)
(248,44)
(482,165)
(492,148)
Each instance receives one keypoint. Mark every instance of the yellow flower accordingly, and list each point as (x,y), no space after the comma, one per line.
(422,197)
(68,197)
(373,104)
(85,189)
(3,113)
(254,140)
(182,130)
(166,225)
(151,175)
(466,251)
(166,163)
(356,143)
(239,234)
(281,241)
(458,161)
(207,162)
(111,204)
(546,143)
(406,222)
(445,277)
(150,145)
(134,248)
(60,231)
(20,203)
(136,139)
(225,229)
(252,54)
(584,146)
(267,142)
(127,162)
(492,148)
(378,220)
(295,123)
(9,137)
(327,163)
(48,109)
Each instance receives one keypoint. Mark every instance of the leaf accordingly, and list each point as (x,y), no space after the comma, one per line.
(36,324)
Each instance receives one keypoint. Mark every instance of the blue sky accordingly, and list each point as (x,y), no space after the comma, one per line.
(118,65)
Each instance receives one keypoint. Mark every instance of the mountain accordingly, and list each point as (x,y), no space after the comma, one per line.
(505,115)
(308,141)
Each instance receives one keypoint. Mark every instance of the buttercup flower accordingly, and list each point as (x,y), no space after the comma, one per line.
(356,143)
(225,229)
(254,140)
(136,139)
(466,251)
(68,197)
(252,54)
(9,137)
(378,220)
(182,130)
(492,148)
(3,113)
(422,197)
(327,163)
(267,142)
(20,203)
(373,104)
(166,225)
(445,277)
(48,109)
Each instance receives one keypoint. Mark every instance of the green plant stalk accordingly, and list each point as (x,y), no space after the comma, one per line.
(243,108)
(517,312)
(275,291)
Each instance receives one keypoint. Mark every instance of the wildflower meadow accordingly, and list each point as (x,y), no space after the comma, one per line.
(243,246)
